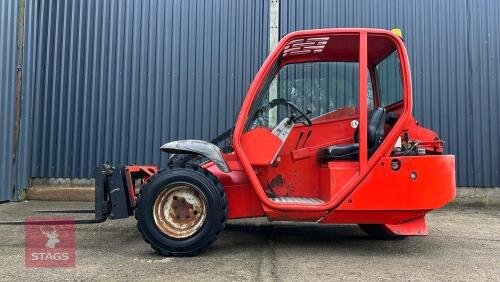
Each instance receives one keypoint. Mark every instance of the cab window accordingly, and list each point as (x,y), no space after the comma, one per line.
(390,87)
(329,90)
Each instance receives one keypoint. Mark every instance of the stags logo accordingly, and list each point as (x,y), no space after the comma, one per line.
(48,245)
(52,237)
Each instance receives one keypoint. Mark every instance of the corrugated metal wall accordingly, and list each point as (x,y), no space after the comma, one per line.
(454,49)
(482,166)
(113,80)
(8,24)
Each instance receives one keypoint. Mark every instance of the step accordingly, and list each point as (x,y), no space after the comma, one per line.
(298,200)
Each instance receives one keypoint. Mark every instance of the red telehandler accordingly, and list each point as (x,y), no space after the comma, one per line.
(325,134)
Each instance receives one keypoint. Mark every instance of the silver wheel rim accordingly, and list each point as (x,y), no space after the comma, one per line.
(180,210)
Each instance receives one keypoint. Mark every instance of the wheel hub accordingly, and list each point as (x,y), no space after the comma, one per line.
(180,210)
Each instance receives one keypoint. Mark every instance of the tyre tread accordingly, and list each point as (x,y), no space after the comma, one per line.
(224,205)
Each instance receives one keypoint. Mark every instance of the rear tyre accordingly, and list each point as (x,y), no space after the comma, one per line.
(379,231)
(181,210)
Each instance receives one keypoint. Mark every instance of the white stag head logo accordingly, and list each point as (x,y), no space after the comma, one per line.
(52,237)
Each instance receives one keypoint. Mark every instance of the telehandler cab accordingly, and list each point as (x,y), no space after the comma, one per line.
(325,134)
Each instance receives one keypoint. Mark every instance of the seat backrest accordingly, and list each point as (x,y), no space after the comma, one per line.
(376,121)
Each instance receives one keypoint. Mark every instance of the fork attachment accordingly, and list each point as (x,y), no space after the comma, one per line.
(117,188)
(116,192)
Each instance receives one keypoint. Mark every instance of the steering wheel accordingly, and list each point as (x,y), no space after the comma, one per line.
(296,114)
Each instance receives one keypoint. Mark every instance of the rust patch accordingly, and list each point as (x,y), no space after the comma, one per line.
(290,189)
(277,181)
(182,211)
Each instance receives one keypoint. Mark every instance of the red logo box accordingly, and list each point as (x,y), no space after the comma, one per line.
(49,245)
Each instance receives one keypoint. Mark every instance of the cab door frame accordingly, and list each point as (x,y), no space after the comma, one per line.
(364,163)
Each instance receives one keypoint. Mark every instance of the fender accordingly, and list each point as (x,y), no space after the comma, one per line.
(198,147)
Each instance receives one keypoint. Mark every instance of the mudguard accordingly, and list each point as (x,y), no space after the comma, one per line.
(198,147)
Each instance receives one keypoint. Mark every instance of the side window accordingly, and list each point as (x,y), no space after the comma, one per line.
(322,87)
(370,92)
(328,89)
(389,83)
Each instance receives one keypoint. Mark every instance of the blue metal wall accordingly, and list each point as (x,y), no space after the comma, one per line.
(8,24)
(454,49)
(113,80)
(482,122)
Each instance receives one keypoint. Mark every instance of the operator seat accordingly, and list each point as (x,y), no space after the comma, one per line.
(376,122)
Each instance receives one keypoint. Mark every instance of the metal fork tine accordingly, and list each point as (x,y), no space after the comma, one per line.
(64,211)
(52,222)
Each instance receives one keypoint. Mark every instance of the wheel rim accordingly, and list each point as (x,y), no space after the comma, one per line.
(180,210)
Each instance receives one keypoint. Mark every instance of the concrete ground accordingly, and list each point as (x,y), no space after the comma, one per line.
(463,245)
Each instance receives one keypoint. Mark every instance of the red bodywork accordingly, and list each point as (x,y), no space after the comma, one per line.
(364,191)
(137,172)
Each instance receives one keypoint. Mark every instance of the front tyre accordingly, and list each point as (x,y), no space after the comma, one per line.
(181,210)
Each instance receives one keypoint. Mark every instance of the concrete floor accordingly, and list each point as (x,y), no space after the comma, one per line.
(463,245)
